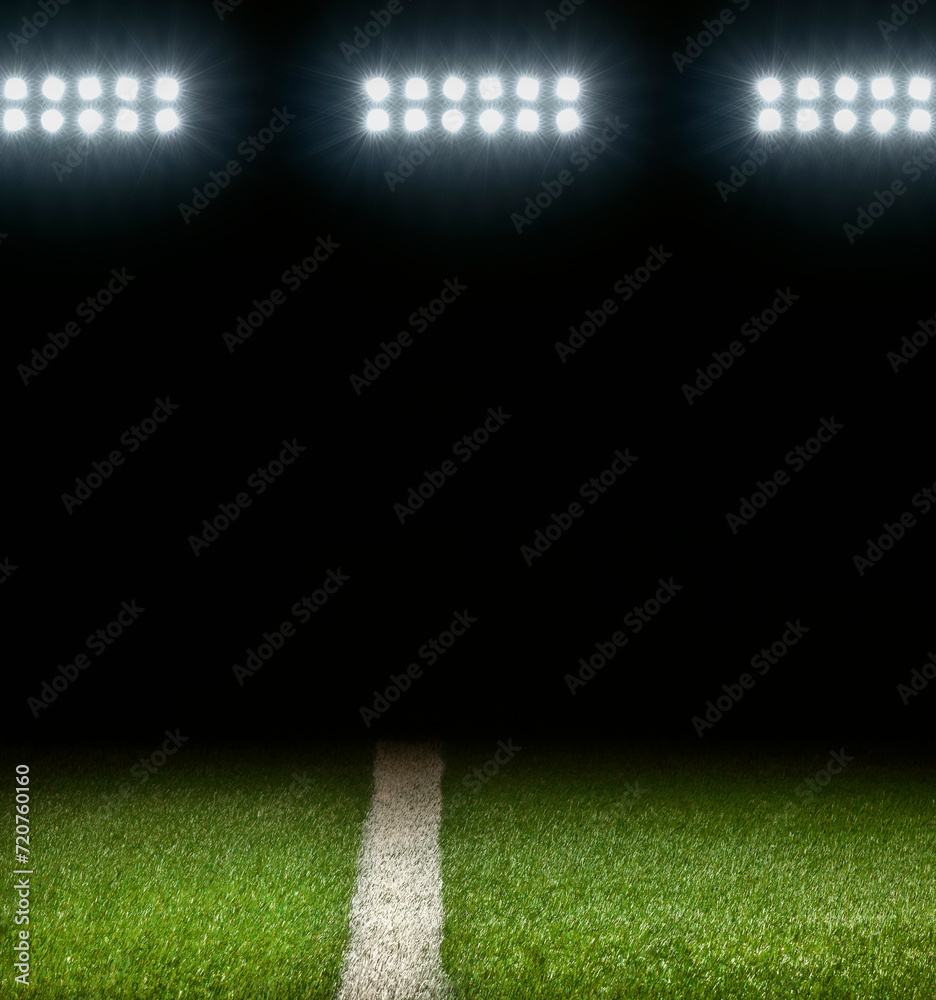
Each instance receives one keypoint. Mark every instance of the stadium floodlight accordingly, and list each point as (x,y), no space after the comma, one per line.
(14,120)
(454,89)
(167,88)
(919,88)
(416,88)
(166,120)
(845,121)
(378,120)
(920,120)
(14,89)
(807,120)
(567,120)
(452,120)
(846,88)
(490,88)
(808,89)
(882,88)
(770,89)
(52,120)
(527,88)
(89,87)
(53,88)
(377,89)
(567,88)
(528,120)
(883,120)
(127,88)
(491,120)
(415,120)
(126,120)
(90,120)
(769,120)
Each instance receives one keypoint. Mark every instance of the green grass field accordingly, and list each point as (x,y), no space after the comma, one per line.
(569,874)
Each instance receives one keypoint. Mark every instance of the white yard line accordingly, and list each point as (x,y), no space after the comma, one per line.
(396,914)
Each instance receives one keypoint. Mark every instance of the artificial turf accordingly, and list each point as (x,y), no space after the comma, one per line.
(226,874)
(661,873)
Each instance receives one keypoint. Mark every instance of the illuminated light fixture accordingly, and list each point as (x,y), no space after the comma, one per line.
(883,120)
(166,120)
(567,88)
(882,88)
(770,88)
(920,120)
(491,120)
(14,120)
(808,89)
(416,89)
(53,88)
(15,89)
(452,120)
(89,88)
(90,120)
(377,120)
(845,121)
(769,120)
(527,120)
(807,120)
(846,88)
(52,120)
(378,88)
(415,120)
(490,88)
(167,89)
(567,120)
(527,88)
(126,120)
(919,88)
(127,88)
(454,89)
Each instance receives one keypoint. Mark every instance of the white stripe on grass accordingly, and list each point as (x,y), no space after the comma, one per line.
(396,914)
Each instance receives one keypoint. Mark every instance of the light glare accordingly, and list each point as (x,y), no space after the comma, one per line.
(453,88)
(491,120)
(527,88)
(452,120)
(919,88)
(127,88)
(89,88)
(490,88)
(51,121)
(14,120)
(53,88)
(808,89)
(770,89)
(807,120)
(567,120)
(378,120)
(567,88)
(166,120)
(126,120)
(167,89)
(920,120)
(882,120)
(527,120)
(378,88)
(845,121)
(89,120)
(882,88)
(15,89)
(770,120)
(846,88)
(416,88)
(414,120)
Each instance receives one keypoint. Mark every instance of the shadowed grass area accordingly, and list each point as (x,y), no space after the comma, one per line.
(227,874)
(650,874)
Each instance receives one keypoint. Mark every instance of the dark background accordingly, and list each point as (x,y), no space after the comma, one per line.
(322,177)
